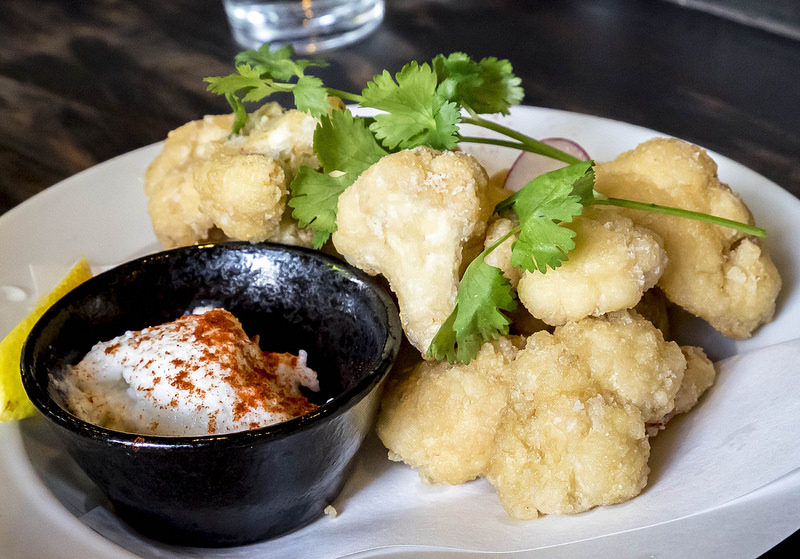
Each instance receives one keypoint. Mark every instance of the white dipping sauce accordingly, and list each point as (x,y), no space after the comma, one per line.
(197,375)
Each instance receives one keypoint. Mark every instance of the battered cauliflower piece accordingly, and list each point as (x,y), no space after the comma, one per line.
(242,194)
(409,217)
(627,356)
(568,455)
(699,376)
(441,418)
(172,200)
(614,261)
(573,434)
(716,273)
(204,182)
(285,136)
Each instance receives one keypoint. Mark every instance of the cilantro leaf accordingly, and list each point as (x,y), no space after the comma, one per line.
(246,79)
(246,85)
(345,149)
(542,205)
(344,143)
(542,243)
(315,198)
(488,86)
(311,96)
(278,64)
(261,73)
(478,317)
(414,114)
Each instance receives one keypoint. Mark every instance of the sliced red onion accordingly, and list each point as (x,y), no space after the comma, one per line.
(530,165)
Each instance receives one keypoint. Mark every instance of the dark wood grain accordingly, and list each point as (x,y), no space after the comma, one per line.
(82,82)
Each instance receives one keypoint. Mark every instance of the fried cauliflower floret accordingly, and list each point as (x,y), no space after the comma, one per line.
(285,136)
(627,356)
(242,194)
(716,273)
(204,182)
(568,455)
(409,217)
(441,418)
(614,261)
(172,200)
(699,376)
(573,435)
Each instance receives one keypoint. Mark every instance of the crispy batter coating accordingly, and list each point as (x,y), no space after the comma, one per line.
(698,377)
(721,275)
(573,435)
(614,261)
(627,356)
(409,217)
(172,200)
(567,455)
(242,194)
(441,418)
(204,182)
(287,136)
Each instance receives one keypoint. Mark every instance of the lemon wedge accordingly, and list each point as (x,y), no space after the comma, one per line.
(14,403)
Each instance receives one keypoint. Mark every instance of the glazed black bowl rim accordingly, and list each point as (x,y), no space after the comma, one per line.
(42,400)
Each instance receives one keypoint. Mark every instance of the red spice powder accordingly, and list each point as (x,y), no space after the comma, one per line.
(255,381)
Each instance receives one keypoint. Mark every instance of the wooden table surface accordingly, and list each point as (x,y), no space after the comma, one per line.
(82,82)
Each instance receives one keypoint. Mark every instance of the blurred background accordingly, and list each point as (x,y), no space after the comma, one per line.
(83,82)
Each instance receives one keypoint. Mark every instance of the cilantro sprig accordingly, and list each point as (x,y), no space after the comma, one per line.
(426,104)
(345,148)
(485,295)
(262,73)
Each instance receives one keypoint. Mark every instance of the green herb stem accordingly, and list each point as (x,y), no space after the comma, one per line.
(344,95)
(679,212)
(491,141)
(527,143)
(488,250)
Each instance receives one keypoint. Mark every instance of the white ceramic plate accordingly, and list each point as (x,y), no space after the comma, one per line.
(47,506)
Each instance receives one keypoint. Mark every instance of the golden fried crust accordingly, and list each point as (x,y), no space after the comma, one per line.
(204,182)
(567,455)
(573,434)
(409,217)
(287,137)
(172,200)
(628,357)
(243,194)
(614,261)
(441,418)
(699,376)
(714,272)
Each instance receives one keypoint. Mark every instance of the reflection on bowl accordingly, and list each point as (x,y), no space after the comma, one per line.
(240,487)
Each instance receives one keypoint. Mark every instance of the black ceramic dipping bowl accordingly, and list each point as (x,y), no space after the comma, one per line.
(241,487)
